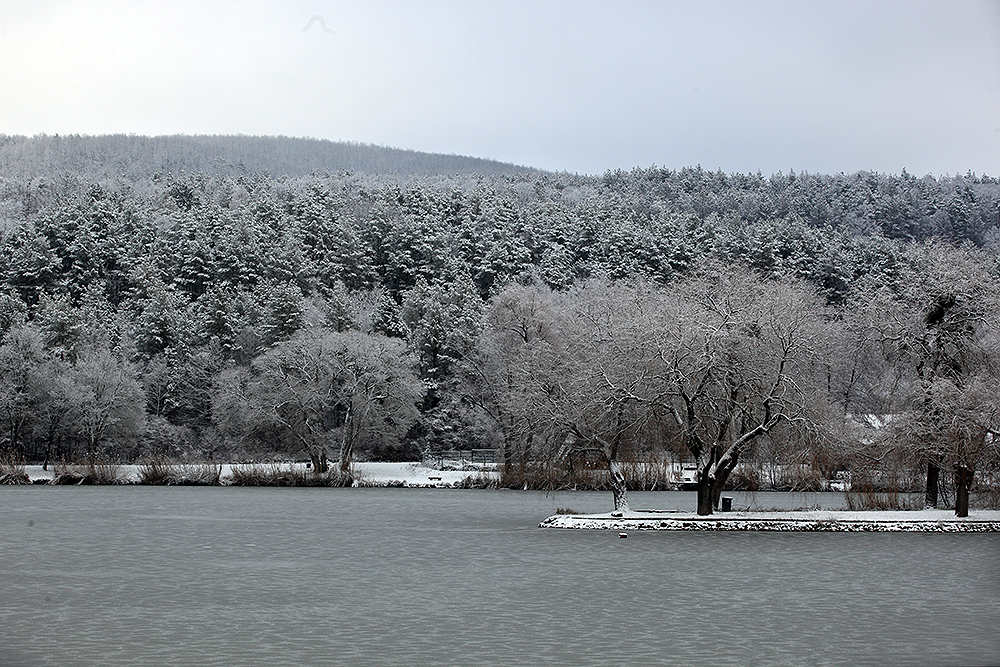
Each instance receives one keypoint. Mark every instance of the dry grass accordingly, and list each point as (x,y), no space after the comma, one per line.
(889,486)
(282,474)
(986,499)
(12,469)
(164,472)
(95,471)
(479,480)
(653,474)
(870,499)
(796,478)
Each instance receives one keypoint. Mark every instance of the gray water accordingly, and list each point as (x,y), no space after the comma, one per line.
(232,576)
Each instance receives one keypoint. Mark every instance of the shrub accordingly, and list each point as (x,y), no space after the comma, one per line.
(479,480)
(12,469)
(871,499)
(95,471)
(277,474)
(653,475)
(162,471)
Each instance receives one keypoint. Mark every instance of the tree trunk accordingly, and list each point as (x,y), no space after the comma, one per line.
(710,485)
(345,463)
(619,490)
(319,461)
(931,492)
(963,482)
(347,447)
(346,459)
(508,462)
(706,493)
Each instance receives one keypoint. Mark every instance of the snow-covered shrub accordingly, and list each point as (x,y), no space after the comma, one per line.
(162,471)
(278,474)
(97,471)
(12,470)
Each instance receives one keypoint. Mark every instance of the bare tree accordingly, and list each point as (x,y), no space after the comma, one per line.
(22,355)
(519,343)
(600,395)
(548,372)
(735,358)
(718,360)
(942,333)
(326,390)
(104,400)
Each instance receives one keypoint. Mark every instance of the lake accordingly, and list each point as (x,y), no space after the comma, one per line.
(254,576)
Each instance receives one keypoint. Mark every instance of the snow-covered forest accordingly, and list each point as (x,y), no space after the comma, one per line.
(230,308)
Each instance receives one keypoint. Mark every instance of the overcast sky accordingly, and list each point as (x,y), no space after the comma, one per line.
(578,86)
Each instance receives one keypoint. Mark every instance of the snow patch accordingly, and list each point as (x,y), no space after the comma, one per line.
(406,474)
(938,521)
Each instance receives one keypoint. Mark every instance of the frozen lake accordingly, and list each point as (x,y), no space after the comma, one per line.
(240,576)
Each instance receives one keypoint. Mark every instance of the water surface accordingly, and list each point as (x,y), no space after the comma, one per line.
(233,576)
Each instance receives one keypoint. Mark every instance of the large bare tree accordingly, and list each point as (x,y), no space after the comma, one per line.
(602,397)
(716,361)
(326,391)
(940,328)
(519,346)
(103,400)
(735,357)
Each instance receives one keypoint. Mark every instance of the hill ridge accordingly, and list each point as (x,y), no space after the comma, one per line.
(135,156)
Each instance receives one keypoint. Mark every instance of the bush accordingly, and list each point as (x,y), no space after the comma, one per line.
(654,474)
(479,480)
(162,471)
(799,478)
(277,474)
(871,499)
(12,470)
(96,471)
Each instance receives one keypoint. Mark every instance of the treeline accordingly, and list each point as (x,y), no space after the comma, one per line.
(137,157)
(568,321)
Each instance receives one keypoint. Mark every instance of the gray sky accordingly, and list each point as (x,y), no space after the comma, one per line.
(577,86)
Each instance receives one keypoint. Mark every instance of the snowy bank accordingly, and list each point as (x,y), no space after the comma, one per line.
(407,474)
(924,521)
(414,475)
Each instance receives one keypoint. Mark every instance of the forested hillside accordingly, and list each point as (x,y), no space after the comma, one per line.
(135,157)
(804,325)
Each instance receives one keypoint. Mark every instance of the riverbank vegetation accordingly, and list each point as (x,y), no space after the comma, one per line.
(789,330)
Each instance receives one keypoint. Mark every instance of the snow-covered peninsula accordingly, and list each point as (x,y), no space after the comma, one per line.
(927,520)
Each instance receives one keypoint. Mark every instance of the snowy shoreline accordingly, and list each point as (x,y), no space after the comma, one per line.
(923,521)
(417,475)
(407,474)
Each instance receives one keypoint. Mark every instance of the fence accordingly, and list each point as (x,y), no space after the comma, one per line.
(463,455)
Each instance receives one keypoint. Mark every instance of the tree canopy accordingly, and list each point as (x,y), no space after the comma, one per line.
(560,318)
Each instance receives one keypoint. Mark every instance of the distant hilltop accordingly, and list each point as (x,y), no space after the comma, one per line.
(137,156)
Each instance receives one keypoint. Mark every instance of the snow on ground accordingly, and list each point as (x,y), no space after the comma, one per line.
(373,473)
(411,474)
(928,520)
(416,474)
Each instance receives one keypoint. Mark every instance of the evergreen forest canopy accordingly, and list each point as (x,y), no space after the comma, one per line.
(236,297)
(137,157)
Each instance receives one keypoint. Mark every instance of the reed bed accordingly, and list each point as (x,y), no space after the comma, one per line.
(164,472)
(12,469)
(94,471)
(281,474)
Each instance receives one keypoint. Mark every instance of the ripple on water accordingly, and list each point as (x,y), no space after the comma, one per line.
(202,576)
